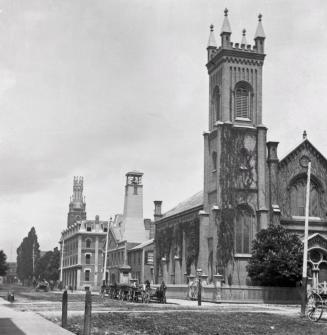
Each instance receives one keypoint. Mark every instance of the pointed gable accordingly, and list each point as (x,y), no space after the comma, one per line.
(292,175)
(317,241)
(304,148)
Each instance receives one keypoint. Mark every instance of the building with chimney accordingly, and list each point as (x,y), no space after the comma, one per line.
(81,243)
(130,242)
(246,186)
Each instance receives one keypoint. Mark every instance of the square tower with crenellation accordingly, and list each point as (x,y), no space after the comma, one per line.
(235,199)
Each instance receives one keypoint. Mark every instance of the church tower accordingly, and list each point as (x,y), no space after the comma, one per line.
(77,203)
(235,199)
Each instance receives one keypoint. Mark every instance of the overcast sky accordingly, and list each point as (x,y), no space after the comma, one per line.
(98,88)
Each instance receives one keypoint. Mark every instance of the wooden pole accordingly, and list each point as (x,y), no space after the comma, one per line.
(105,256)
(305,244)
(199,292)
(64,309)
(87,314)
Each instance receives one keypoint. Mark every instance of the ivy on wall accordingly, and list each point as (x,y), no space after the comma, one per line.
(237,178)
(169,242)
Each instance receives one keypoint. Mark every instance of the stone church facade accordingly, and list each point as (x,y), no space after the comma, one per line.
(246,186)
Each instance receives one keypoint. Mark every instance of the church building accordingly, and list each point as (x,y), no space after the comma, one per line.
(246,186)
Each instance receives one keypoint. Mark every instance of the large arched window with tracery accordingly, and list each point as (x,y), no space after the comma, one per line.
(298,195)
(243,100)
(244,229)
(216,104)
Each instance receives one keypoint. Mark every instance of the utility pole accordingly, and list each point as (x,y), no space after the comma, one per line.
(305,243)
(105,256)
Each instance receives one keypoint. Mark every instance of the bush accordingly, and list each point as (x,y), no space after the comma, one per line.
(277,258)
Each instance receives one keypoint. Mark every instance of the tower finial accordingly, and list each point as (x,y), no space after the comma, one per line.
(244,41)
(212,41)
(226,26)
(305,135)
(259,32)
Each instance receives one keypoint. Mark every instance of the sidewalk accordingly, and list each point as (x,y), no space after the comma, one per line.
(26,323)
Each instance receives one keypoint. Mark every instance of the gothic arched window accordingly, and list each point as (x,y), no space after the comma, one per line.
(298,196)
(243,100)
(244,229)
(216,104)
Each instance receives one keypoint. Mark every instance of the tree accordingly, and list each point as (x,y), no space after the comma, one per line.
(277,258)
(48,265)
(28,254)
(3,263)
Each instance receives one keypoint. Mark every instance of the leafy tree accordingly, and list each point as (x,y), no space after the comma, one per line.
(48,265)
(28,249)
(3,263)
(277,258)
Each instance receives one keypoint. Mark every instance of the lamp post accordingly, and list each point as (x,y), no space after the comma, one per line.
(305,243)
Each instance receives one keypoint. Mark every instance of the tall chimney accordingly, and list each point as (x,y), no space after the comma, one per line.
(157,210)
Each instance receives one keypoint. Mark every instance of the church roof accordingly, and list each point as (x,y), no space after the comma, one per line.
(194,201)
(304,144)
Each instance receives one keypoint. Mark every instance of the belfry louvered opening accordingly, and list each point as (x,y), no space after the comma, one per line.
(243,101)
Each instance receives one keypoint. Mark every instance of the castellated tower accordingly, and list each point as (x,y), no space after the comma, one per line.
(132,224)
(77,203)
(235,199)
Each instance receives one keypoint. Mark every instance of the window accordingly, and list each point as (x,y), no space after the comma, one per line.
(214,161)
(87,275)
(87,259)
(149,257)
(298,195)
(88,228)
(216,104)
(244,230)
(88,243)
(243,101)
(139,257)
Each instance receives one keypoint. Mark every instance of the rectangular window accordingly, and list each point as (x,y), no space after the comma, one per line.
(87,275)
(87,259)
(149,257)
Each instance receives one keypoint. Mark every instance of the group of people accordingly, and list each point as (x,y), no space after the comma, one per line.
(146,287)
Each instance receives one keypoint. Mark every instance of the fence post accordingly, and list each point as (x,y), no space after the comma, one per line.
(87,314)
(199,291)
(64,310)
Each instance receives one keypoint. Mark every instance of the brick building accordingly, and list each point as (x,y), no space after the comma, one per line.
(82,254)
(246,186)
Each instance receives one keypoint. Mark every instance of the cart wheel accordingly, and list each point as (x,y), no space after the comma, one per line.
(314,307)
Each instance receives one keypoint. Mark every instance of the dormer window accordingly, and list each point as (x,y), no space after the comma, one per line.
(243,95)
